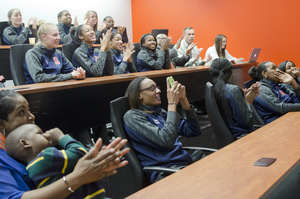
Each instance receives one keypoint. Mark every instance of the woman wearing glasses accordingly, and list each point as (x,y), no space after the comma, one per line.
(153,132)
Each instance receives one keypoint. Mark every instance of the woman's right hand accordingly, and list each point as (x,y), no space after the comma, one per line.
(96,165)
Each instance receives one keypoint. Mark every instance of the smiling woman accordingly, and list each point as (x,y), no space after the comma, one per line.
(122,58)
(150,58)
(44,63)
(89,58)
(153,132)
(16,33)
(275,99)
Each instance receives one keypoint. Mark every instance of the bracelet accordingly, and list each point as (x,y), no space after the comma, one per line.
(69,188)
(172,104)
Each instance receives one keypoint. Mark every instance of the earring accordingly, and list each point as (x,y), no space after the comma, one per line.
(266,77)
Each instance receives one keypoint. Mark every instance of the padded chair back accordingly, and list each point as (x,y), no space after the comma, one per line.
(223,135)
(3,25)
(171,46)
(118,108)
(255,113)
(17,56)
(137,49)
(68,50)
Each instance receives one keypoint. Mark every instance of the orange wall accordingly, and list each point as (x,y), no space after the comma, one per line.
(271,25)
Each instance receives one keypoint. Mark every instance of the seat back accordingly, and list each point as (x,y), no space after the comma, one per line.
(118,108)
(3,25)
(17,57)
(137,49)
(68,50)
(255,113)
(223,135)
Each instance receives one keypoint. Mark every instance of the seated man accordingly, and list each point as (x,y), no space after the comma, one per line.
(109,23)
(176,61)
(64,24)
(45,164)
(194,54)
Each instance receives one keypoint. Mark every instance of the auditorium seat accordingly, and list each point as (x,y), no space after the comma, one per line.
(3,25)
(68,50)
(222,133)
(17,56)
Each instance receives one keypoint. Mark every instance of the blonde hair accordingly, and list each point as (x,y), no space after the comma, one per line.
(43,30)
(88,14)
(10,13)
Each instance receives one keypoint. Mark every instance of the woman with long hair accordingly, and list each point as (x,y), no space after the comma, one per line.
(91,19)
(232,102)
(150,58)
(275,98)
(16,33)
(153,132)
(121,57)
(96,62)
(218,50)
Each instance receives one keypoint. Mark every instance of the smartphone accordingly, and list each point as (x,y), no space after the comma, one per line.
(171,81)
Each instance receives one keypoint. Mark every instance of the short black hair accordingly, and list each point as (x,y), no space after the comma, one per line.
(61,13)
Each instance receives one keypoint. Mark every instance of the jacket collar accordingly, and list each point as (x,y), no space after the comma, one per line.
(156,110)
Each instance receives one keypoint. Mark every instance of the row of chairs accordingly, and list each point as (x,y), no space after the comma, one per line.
(18,51)
(224,137)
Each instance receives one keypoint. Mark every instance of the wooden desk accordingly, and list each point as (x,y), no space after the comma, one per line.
(80,104)
(229,172)
(5,62)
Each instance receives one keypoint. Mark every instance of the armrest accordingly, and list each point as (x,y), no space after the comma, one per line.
(160,169)
(199,148)
(257,126)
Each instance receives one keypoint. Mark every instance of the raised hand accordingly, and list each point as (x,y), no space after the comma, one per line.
(101,26)
(251,93)
(284,77)
(128,51)
(165,44)
(178,44)
(120,29)
(105,41)
(76,24)
(190,48)
(296,72)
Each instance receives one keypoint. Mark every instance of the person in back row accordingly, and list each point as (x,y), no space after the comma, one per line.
(109,23)
(150,58)
(121,57)
(64,25)
(176,61)
(232,102)
(91,19)
(96,62)
(44,63)
(275,99)
(218,50)
(194,53)
(16,33)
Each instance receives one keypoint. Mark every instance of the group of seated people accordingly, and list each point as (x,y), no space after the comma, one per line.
(152,131)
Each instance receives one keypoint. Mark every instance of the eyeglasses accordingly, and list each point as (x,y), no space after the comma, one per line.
(152,88)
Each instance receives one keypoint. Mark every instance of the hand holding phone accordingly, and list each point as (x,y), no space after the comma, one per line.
(171,81)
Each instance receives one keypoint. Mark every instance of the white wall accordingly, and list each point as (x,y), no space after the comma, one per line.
(120,10)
